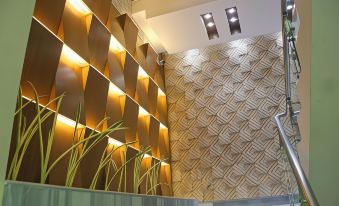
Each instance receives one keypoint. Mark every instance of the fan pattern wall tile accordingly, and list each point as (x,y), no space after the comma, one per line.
(222,101)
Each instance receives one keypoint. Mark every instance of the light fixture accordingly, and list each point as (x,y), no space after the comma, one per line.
(141,73)
(164,164)
(231,10)
(210,24)
(115,142)
(143,112)
(73,57)
(290,7)
(67,121)
(207,16)
(162,126)
(160,92)
(233,19)
(147,156)
(79,6)
(115,46)
(115,90)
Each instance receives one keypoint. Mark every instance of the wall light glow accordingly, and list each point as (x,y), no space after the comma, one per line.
(147,156)
(160,92)
(115,46)
(141,73)
(73,57)
(112,141)
(79,6)
(162,126)
(115,90)
(67,121)
(164,164)
(143,112)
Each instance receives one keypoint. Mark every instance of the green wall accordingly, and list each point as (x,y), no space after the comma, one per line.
(15,20)
(324,144)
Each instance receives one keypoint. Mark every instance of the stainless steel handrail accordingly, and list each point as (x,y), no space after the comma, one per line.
(293,159)
(298,172)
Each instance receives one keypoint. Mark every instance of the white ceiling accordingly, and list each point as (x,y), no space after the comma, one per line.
(181,30)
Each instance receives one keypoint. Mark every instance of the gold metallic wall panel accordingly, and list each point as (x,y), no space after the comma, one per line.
(96,92)
(100,8)
(141,94)
(98,40)
(162,109)
(159,77)
(130,32)
(222,101)
(75,31)
(30,162)
(42,49)
(152,97)
(88,170)
(70,53)
(130,118)
(49,12)
(116,70)
(69,81)
(164,145)
(114,113)
(130,75)
(63,140)
(166,180)
(143,131)
(154,136)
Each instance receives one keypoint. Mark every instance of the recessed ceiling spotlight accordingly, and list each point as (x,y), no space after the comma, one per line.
(233,19)
(207,16)
(231,10)
(289,7)
(210,24)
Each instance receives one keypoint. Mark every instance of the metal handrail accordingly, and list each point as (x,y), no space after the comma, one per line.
(298,172)
(293,159)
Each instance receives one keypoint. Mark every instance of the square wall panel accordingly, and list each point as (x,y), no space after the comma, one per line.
(41,62)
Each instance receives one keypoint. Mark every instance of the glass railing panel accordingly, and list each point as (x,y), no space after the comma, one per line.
(31,194)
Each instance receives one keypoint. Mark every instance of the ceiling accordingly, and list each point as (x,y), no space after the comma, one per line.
(175,25)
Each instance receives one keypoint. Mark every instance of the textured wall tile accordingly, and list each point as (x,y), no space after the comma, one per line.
(222,101)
